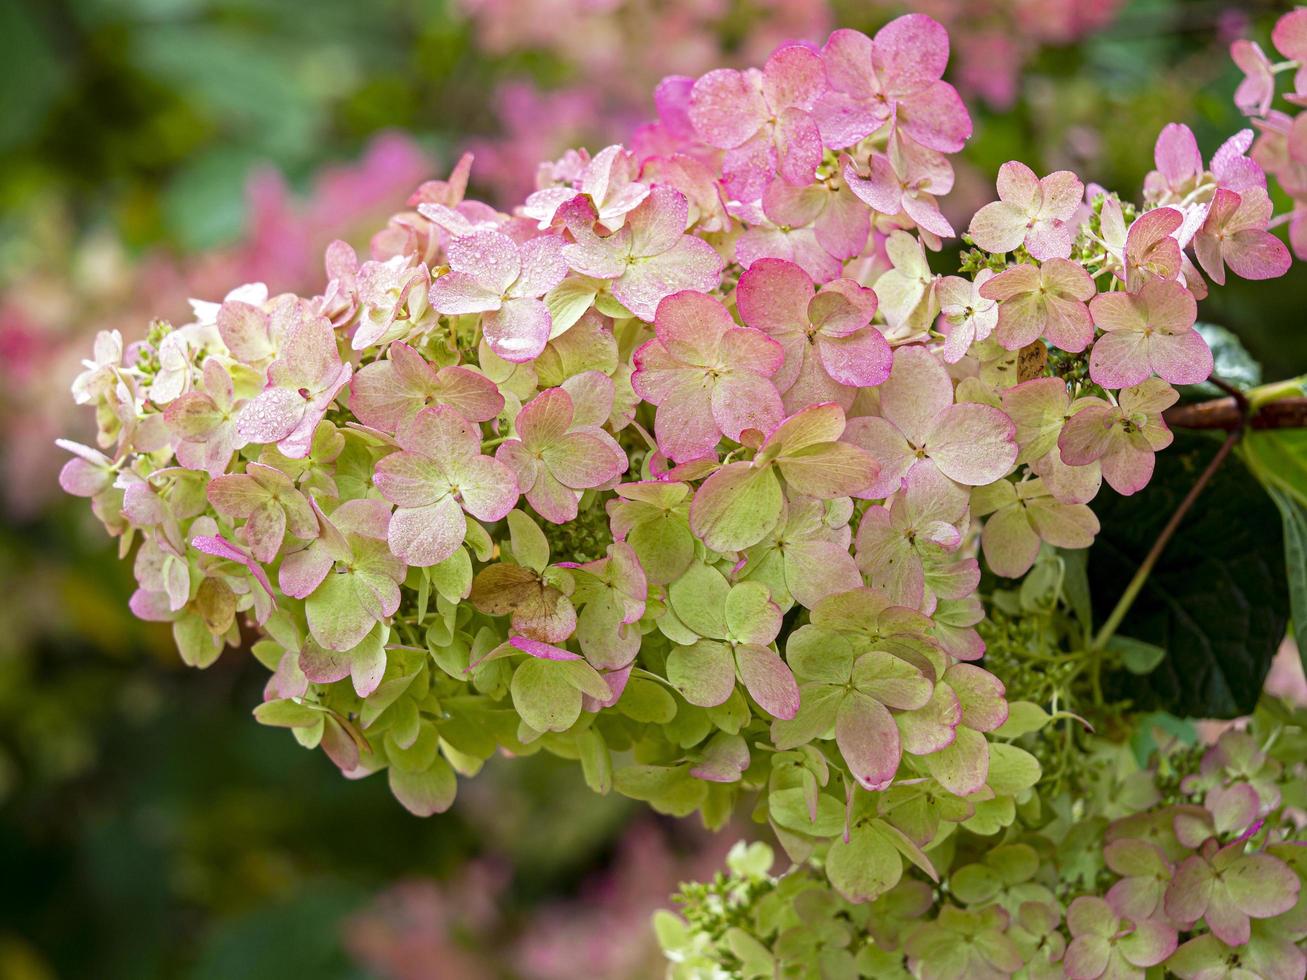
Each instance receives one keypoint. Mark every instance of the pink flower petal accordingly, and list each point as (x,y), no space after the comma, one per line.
(1180,359)
(487,488)
(690,264)
(1121,359)
(727,107)
(860,360)
(847,58)
(271,415)
(460,292)
(916,391)
(998,227)
(659,222)
(684,424)
(490,258)
(972,444)
(868,740)
(981,695)
(440,433)
(884,443)
(543,267)
(768,680)
(773,296)
(793,76)
(1176,154)
(745,401)
(585,459)
(691,325)
(545,419)
(518,330)
(410,479)
(935,117)
(909,53)
(1087,435)
(425,536)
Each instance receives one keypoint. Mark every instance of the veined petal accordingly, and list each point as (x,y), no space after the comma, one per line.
(972,444)
(773,295)
(585,459)
(690,264)
(518,329)
(916,391)
(545,419)
(410,479)
(727,107)
(684,424)
(768,680)
(488,258)
(440,433)
(1009,542)
(861,360)
(427,535)
(460,292)
(743,401)
(868,740)
(1121,359)
(887,446)
(486,487)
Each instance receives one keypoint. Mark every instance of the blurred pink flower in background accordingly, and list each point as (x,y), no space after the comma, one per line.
(462,929)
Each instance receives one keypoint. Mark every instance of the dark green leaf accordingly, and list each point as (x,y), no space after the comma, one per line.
(1217,601)
(1295,563)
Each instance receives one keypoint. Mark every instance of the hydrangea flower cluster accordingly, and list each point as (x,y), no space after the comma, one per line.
(1193,866)
(687,468)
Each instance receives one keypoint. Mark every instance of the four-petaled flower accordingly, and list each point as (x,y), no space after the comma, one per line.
(1021,515)
(762,119)
(303,381)
(1104,944)
(387,394)
(831,349)
(907,550)
(392,300)
(648,258)
(268,502)
(608,180)
(906,179)
(561,450)
(904,86)
(970,315)
(1235,235)
(1228,886)
(439,473)
(204,422)
(919,425)
(1145,333)
(492,275)
(1121,437)
(1048,301)
(349,580)
(1033,211)
(733,627)
(709,377)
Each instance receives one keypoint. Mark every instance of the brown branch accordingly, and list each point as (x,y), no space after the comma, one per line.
(1227,413)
